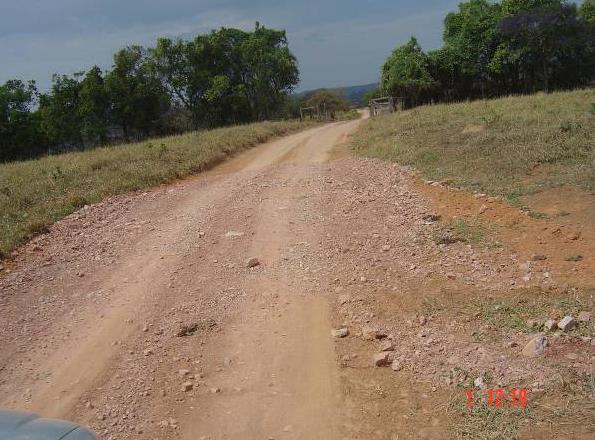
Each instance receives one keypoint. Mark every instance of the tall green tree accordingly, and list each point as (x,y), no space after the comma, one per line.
(228,75)
(469,40)
(548,46)
(20,126)
(60,115)
(405,73)
(269,70)
(138,99)
(94,107)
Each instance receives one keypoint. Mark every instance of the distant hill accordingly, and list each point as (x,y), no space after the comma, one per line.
(353,94)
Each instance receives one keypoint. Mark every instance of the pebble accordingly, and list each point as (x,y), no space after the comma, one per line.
(252,262)
(381,359)
(550,325)
(187,386)
(584,316)
(396,365)
(340,333)
(567,323)
(386,345)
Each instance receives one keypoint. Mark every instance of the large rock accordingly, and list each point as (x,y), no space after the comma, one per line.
(567,323)
(535,347)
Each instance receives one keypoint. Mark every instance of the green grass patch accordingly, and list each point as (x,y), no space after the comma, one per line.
(514,311)
(36,193)
(509,146)
(470,231)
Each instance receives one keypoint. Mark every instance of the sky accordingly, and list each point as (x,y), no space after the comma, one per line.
(337,42)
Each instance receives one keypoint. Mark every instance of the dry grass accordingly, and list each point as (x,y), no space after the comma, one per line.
(509,146)
(36,193)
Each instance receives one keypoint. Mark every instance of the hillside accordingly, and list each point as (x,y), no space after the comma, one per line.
(353,94)
(508,147)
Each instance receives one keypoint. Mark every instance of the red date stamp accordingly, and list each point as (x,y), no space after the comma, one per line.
(498,397)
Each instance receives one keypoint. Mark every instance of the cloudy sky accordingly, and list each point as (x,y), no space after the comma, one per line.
(337,42)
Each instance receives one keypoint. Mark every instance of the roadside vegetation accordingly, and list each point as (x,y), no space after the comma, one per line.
(508,146)
(36,193)
(221,78)
(494,49)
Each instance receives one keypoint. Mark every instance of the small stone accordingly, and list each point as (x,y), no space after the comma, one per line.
(535,347)
(584,316)
(567,323)
(538,257)
(187,386)
(386,345)
(574,236)
(215,390)
(396,365)
(532,323)
(381,359)
(550,325)
(575,258)
(183,372)
(372,333)
(479,383)
(482,209)
(512,344)
(252,262)
(343,299)
(147,352)
(422,320)
(340,332)
(386,248)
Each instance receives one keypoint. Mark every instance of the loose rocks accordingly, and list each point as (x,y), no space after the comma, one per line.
(535,347)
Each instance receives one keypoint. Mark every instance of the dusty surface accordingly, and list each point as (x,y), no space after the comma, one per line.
(140,317)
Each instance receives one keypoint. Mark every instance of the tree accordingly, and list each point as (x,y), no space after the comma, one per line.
(268,70)
(229,75)
(20,129)
(469,41)
(548,46)
(94,107)
(326,100)
(60,116)
(405,73)
(138,99)
(586,11)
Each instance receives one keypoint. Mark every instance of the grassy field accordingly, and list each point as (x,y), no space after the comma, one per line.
(36,193)
(510,146)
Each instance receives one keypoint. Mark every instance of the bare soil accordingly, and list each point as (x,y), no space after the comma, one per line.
(140,317)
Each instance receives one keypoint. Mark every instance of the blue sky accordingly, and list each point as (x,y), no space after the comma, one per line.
(337,42)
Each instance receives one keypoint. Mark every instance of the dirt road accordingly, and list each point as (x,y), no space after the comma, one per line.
(117,280)
(141,318)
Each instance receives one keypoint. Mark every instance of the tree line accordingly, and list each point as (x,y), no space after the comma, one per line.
(227,76)
(492,49)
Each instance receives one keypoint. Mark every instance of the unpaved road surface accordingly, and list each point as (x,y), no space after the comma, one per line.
(140,317)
